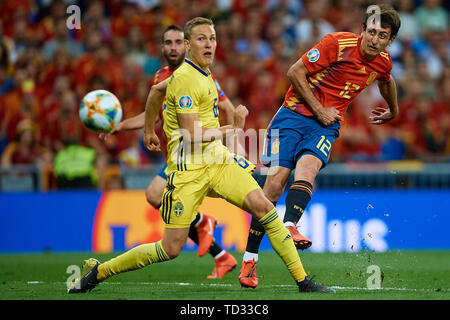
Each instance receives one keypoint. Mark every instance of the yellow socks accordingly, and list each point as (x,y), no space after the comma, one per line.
(146,254)
(133,259)
(281,241)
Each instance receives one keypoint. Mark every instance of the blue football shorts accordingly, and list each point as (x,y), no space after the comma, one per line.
(291,135)
(163,172)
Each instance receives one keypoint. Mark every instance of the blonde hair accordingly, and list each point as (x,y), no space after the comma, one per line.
(197,21)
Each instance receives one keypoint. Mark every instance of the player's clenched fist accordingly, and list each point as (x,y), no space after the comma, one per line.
(328,116)
(151,141)
(240,113)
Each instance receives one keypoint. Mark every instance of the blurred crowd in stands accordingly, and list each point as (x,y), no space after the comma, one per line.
(46,68)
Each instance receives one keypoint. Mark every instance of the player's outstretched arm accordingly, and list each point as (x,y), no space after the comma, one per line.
(152,106)
(388,90)
(297,74)
(134,123)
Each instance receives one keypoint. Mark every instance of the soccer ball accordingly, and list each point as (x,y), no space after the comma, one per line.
(100,111)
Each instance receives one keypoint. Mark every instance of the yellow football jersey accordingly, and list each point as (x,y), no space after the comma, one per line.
(191,90)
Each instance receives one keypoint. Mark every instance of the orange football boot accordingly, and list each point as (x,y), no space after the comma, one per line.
(248,276)
(205,233)
(300,241)
(224,264)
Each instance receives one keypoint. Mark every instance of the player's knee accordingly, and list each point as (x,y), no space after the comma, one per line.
(172,250)
(173,254)
(257,204)
(307,168)
(173,241)
(273,189)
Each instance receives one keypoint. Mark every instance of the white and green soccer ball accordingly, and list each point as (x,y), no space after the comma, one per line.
(100,111)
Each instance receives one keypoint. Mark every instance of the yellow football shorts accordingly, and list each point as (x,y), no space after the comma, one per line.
(185,190)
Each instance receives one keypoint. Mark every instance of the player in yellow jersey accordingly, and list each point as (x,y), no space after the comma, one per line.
(202,228)
(198,165)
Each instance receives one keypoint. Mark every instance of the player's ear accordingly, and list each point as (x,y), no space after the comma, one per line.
(391,40)
(187,45)
(362,32)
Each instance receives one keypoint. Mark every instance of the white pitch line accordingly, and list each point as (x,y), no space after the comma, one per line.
(282,286)
(266,286)
(389,289)
(177,283)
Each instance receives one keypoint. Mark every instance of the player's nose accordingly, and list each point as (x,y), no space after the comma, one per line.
(374,40)
(208,43)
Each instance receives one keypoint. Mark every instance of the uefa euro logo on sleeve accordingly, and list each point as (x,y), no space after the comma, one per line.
(313,55)
(185,102)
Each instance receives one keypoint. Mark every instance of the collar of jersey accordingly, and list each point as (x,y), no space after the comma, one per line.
(198,68)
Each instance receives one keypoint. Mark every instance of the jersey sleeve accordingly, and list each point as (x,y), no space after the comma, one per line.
(384,76)
(184,94)
(321,55)
(220,92)
(155,78)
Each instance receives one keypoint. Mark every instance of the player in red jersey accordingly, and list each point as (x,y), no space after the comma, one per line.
(324,81)
(202,228)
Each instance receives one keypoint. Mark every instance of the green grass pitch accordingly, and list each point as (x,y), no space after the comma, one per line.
(405,275)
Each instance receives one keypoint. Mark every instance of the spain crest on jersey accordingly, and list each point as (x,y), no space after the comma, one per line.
(185,102)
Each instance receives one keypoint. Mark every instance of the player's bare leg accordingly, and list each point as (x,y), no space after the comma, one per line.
(174,240)
(307,168)
(276,180)
(155,190)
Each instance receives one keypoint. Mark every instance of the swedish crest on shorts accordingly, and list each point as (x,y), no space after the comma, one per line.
(178,208)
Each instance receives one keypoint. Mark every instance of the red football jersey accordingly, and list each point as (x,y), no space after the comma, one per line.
(338,72)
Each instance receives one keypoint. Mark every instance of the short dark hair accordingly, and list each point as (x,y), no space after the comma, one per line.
(197,21)
(169,28)
(388,17)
